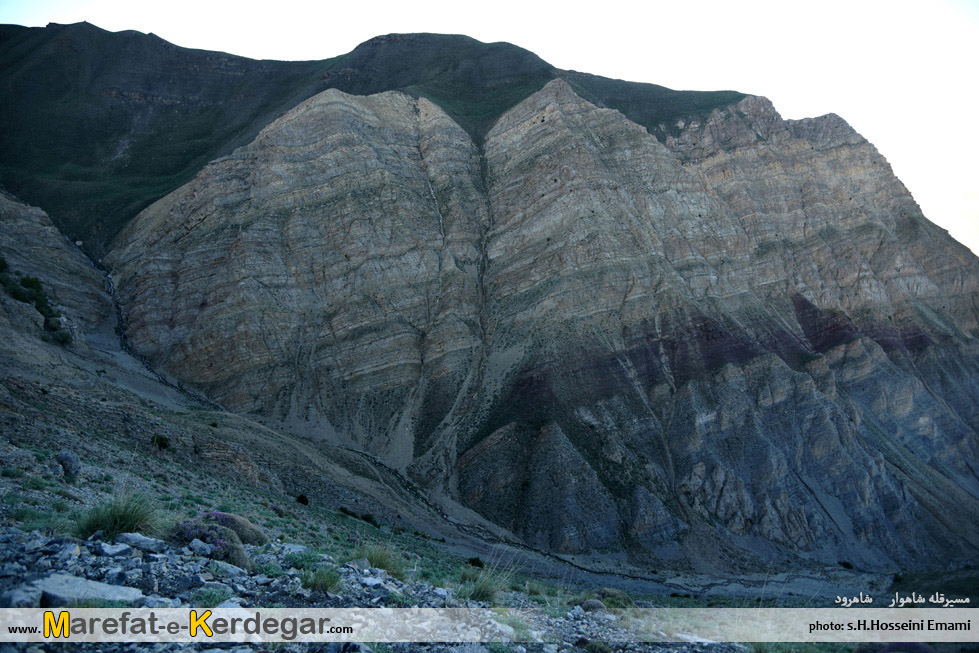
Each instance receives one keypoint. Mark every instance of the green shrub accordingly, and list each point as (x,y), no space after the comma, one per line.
(35,483)
(270,569)
(50,524)
(615,598)
(225,543)
(12,499)
(11,472)
(31,291)
(382,557)
(303,560)
(125,514)
(399,600)
(369,518)
(23,513)
(210,597)
(31,283)
(324,579)
(13,289)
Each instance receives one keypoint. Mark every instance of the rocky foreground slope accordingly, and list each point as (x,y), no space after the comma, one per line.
(737,346)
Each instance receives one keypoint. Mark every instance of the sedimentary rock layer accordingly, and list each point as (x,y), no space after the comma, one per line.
(744,337)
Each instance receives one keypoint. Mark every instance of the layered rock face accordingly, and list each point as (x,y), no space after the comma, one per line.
(32,246)
(743,338)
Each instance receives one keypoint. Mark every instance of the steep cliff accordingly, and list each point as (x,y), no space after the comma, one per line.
(737,345)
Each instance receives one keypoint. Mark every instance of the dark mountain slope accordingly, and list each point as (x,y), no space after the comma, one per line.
(96,124)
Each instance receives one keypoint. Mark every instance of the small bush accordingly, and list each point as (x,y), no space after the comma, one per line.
(846,565)
(35,483)
(51,524)
(270,569)
(14,290)
(246,531)
(615,598)
(324,579)
(31,283)
(210,597)
(225,543)
(30,291)
(369,518)
(23,513)
(382,557)
(399,600)
(304,560)
(12,473)
(161,442)
(476,562)
(65,493)
(3,264)
(126,514)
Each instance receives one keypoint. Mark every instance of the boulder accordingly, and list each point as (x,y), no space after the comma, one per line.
(200,548)
(69,462)
(61,589)
(142,542)
(25,596)
(115,550)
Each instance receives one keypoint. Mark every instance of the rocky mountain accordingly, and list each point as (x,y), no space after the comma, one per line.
(612,321)
(97,125)
(723,340)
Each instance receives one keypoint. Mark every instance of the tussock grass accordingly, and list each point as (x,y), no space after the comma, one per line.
(382,557)
(49,523)
(124,514)
(324,579)
(484,584)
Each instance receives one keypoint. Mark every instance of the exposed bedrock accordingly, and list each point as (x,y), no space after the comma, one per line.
(746,337)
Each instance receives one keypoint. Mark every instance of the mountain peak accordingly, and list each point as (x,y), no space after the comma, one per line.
(93,181)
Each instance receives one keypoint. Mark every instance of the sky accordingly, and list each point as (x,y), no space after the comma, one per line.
(903,74)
